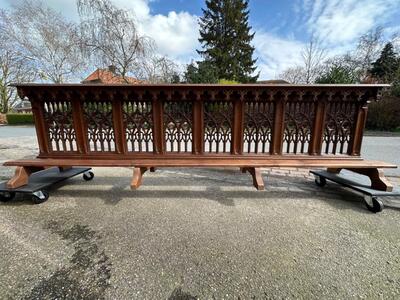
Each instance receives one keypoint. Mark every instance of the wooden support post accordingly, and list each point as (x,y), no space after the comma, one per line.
(158,123)
(318,129)
(258,181)
(237,141)
(21,176)
(64,168)
(377,177)
(80,126)
(279,124)
(137,177)
(334,170)
(355,145)
(41,130)
(118,124)
(198,130)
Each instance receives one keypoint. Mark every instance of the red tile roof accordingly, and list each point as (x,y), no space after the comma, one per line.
(105,76)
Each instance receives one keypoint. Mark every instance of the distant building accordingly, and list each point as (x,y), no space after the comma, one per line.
(23,106)
(109,76)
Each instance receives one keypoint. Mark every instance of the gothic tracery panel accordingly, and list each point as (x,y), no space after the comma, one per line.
(178,124)
(218,116)
(138,124)
(299,120)
(339,123)
(59,121)
(99,122)
(258,124)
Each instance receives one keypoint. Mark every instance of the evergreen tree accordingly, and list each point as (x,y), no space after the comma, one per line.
(204,72)
(386,66)
(225,37)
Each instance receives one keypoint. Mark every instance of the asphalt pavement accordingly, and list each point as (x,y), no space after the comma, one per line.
(194,234)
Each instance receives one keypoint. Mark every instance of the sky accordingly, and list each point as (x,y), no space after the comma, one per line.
(282,27)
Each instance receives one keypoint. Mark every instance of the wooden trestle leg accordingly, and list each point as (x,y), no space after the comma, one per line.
(377,177)
(258,181)
(137,177)
(21,176)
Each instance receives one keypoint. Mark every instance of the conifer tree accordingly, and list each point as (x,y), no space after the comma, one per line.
(226,39)
(387,65)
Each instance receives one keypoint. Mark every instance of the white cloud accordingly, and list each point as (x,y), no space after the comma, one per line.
(175,34)
(343,21)
(275,54)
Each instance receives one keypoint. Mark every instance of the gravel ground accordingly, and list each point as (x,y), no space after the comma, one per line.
(194,233)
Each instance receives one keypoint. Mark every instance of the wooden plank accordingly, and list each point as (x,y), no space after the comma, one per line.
(205,162)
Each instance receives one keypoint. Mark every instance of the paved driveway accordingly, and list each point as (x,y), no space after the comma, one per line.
(194,233)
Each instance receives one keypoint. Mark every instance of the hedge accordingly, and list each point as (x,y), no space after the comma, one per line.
(384,115)
(19,119)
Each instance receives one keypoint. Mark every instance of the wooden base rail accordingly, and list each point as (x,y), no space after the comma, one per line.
(367,168)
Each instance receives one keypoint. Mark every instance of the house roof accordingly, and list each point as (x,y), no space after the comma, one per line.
(105,76)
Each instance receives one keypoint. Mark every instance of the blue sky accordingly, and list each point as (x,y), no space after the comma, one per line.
(282,27)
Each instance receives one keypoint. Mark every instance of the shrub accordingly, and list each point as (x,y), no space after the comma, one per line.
(384,115)
(19,119)
(225,81)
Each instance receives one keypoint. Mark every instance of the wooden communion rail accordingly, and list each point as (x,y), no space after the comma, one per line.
(246,126)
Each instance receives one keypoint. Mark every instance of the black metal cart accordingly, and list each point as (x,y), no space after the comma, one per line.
(39,183)
(372,198)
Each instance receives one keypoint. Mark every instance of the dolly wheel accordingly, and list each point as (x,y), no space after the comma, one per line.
(6,196)
(40,196)
(377,205)
(87,176)
(320,181)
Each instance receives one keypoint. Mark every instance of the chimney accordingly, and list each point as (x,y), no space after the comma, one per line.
(112,69)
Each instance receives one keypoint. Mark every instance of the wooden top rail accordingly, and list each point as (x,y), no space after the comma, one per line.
(130,121)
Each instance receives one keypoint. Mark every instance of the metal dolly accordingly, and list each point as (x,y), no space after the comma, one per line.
(40,181)
(371,196)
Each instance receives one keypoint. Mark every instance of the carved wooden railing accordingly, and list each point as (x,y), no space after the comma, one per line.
(115,120)
(230,122)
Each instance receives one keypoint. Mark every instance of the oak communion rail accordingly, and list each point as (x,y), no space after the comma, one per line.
(246,126)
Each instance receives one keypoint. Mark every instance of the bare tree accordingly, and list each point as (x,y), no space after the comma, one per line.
(110,36)
(15,67)
(158,69)
(47,38)
(368,49)
(313,56)
(294,75)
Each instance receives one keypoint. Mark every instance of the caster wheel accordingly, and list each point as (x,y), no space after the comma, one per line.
(88,175)
(320,181)
(377,205)
(40,197)
(6,196)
